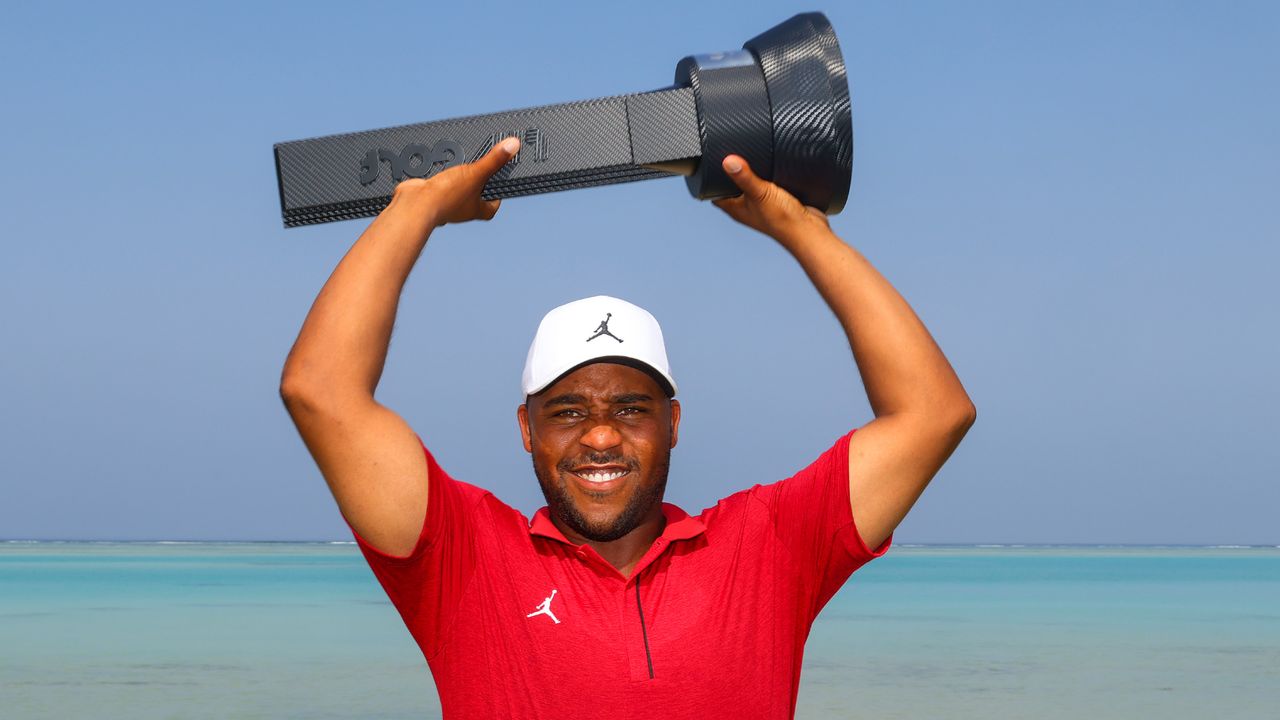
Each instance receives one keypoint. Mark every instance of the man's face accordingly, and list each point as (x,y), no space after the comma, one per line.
(601,440)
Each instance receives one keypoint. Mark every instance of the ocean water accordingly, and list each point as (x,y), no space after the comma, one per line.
(264,630)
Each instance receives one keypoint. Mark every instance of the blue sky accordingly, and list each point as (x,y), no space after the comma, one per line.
(1078,198)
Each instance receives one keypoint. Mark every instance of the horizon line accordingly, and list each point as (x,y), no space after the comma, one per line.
(978,545)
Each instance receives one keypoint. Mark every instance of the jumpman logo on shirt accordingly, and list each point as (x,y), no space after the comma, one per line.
(545,608)
(603,329)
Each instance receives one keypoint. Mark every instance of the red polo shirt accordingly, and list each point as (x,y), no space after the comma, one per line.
(515,621)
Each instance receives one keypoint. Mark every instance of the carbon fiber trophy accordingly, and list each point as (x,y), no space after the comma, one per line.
(782,102)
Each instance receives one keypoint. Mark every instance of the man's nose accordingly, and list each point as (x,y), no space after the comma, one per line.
(602,437)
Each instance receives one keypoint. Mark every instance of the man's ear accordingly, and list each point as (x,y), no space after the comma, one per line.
(522,415)
(675,421)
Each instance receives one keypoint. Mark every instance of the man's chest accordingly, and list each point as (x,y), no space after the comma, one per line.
(691,608)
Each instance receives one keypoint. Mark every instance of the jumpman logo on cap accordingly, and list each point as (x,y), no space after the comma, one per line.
(545,609)
(603,329)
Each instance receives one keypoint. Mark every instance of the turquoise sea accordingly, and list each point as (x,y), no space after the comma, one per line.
(282,630)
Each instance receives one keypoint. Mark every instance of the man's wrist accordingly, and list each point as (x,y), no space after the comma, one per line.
(802,232)
(416,201)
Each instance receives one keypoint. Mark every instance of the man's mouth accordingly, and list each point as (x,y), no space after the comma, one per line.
(600,476)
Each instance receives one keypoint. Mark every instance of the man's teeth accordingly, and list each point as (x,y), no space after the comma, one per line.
(601,476)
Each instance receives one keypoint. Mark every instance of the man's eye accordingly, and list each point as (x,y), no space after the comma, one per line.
(568,414)
(630,411)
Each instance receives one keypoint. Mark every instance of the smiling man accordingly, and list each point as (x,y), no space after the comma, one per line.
(600,421)
(610,603)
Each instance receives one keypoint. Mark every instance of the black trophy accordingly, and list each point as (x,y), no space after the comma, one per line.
(781,102)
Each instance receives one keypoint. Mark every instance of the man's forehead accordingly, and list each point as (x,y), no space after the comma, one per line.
(604,380)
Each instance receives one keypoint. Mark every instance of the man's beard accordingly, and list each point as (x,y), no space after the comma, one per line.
(637,507)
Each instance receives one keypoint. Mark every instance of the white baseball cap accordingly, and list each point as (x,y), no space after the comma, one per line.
(592,329)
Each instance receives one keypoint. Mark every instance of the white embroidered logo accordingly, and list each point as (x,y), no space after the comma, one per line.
(545,608)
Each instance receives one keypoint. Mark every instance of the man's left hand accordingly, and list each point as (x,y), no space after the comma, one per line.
(766,207)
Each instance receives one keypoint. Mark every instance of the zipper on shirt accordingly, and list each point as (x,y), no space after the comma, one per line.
(643,633)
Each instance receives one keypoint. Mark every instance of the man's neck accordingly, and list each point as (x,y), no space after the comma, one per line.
(625,552)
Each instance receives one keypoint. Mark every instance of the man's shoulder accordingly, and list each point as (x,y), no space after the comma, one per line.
(766,496)
(473,499)
(484,502)
(735,507)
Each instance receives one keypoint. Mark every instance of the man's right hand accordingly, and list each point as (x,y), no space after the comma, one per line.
(453,196)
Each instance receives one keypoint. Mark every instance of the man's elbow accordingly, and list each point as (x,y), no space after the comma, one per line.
(962,417)
(944,423)
(301,391)
(295,392)
(312,394)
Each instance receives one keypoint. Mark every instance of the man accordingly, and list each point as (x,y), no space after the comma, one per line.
(611,603)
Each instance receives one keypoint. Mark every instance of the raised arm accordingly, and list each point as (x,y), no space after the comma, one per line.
(369,456)
(921,409)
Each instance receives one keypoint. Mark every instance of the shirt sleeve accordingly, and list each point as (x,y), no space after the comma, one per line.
(813,519)
(427,584)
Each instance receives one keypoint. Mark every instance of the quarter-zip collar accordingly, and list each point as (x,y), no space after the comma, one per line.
(680,526)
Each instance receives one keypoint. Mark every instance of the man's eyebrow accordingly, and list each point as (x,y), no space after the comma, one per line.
(566,399)
(631,398)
